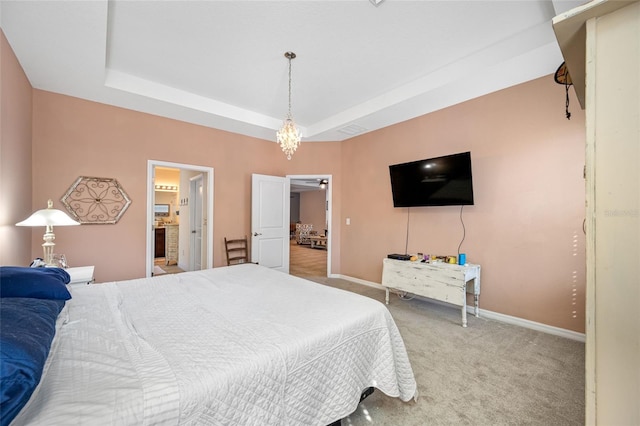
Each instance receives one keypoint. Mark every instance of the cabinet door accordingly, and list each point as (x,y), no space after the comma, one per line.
(159,245)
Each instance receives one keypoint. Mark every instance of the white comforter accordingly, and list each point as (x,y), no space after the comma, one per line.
(240,345)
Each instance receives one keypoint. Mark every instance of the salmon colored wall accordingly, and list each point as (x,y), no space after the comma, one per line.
(525,228)
(15,160)
(73,137)
(312,209)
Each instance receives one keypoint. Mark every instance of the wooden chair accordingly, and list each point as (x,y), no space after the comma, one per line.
(237,251)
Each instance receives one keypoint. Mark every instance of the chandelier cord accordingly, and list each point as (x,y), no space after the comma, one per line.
(566,108)
(289,114)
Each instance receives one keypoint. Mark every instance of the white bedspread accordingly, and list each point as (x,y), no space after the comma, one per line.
(240,345)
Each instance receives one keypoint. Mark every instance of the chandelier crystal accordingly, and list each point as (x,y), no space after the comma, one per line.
(289,136)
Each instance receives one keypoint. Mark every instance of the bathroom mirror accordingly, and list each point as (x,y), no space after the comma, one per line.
(161,210)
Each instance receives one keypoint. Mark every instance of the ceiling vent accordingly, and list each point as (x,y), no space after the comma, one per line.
(352,130)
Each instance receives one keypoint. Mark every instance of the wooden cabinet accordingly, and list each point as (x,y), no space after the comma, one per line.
(440,281)
(159,242)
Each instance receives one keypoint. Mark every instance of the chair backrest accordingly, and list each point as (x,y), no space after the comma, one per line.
(237,250)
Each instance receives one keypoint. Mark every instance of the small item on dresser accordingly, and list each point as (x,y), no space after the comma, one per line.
(60,261)
(462,259)
(397,256)
(38,263)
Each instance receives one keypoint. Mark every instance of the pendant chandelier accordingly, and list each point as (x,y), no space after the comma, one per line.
(288,135)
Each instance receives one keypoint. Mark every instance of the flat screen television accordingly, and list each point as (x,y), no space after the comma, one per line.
(440,181)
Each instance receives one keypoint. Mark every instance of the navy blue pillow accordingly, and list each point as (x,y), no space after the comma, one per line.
(27,327)
(39,283)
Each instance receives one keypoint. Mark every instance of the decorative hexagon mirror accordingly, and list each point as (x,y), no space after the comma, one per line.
(94,200)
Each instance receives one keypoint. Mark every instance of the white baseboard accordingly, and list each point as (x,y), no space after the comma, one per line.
(549,329)
(359,281)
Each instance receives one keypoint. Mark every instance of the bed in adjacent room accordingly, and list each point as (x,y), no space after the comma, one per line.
(231,346)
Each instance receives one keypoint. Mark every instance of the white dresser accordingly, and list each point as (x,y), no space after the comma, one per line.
(440,281)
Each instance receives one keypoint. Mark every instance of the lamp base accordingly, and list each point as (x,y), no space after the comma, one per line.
(48,246)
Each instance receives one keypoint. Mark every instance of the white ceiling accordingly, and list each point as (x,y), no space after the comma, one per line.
(221,64)
(305,185)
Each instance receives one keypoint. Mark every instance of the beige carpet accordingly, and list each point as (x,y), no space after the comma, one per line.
(489,373)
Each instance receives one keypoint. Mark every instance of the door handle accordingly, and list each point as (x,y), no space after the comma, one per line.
(255,234)
(193,232)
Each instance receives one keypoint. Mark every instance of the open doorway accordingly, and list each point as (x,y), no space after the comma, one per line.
(166,220)
(175,208)
(310,217)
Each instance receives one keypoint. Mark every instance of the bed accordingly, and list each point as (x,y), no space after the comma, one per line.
(237,345)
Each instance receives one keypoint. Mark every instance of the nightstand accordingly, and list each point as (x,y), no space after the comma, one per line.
(81,275)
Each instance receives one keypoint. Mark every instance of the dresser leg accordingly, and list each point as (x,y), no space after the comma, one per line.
(464,315)
(386,297)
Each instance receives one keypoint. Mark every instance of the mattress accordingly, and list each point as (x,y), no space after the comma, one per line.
(238,345)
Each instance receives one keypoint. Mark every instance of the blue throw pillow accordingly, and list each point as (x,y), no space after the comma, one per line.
(39,283)
(27,328)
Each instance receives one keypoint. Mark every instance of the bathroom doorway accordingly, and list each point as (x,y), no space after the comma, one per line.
(174,199)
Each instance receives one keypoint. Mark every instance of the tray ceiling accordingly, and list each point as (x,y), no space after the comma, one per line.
(221,64)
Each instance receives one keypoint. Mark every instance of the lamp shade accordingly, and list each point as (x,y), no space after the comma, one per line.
(48,217)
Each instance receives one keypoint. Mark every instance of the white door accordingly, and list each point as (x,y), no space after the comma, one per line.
(195,194)
(270,221)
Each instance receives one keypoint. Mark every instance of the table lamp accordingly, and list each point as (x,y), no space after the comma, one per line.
(48,217)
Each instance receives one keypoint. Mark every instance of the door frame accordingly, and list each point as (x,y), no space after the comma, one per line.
(151,164)
(329,210)
(193,186)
